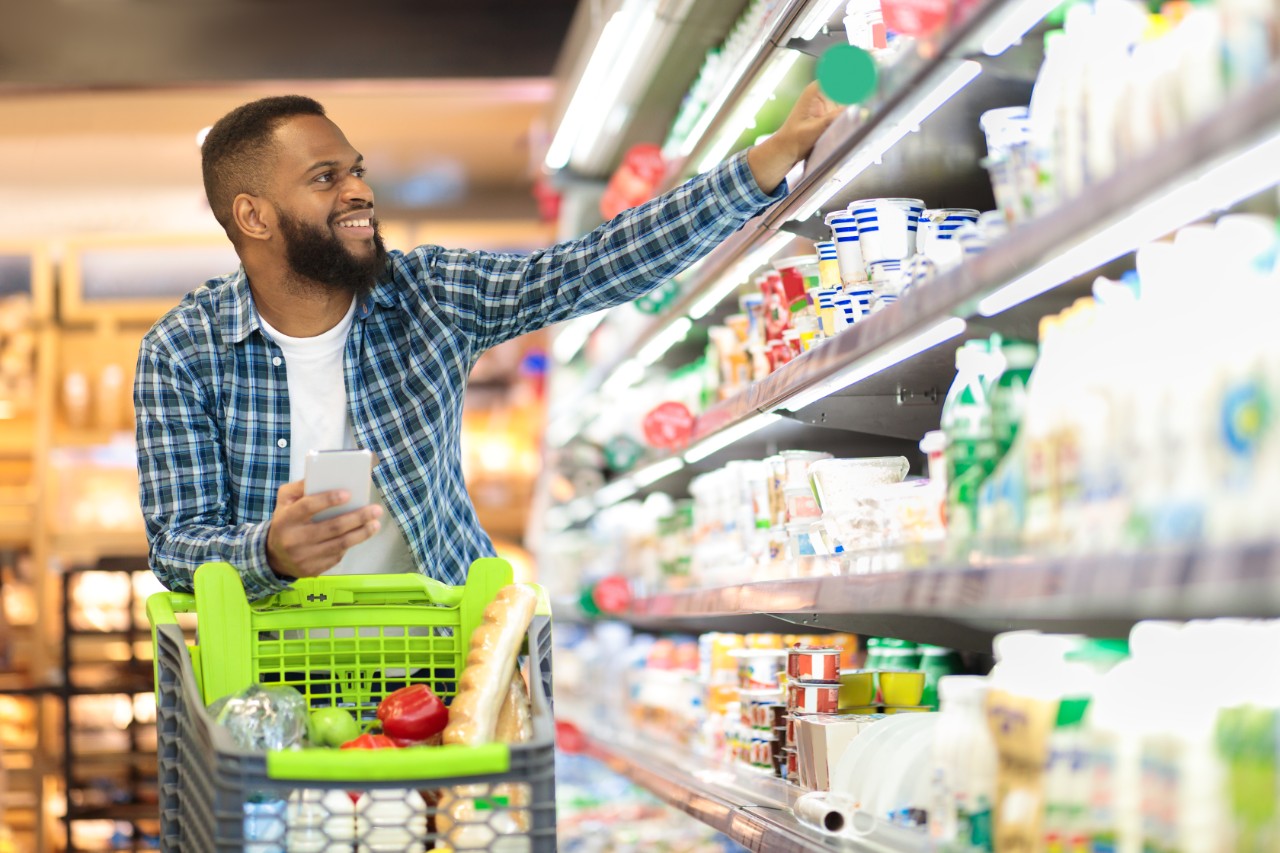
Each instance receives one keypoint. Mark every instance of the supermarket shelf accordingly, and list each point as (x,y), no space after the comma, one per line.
(904,89)
(752,809)
(965,607)
(887,401)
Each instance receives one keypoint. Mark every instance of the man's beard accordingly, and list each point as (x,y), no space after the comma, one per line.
(315,255)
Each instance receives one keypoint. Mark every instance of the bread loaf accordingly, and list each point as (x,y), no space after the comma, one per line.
(495,643)
(491,704)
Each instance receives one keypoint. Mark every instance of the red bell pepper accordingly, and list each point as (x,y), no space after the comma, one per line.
(370,742)
(367,741)
(413,713)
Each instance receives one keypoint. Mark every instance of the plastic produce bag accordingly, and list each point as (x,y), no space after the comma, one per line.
(263,717)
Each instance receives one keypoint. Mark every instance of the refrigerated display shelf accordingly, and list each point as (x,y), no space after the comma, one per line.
(965,607)
(902,95)
(926,326)
(751,808)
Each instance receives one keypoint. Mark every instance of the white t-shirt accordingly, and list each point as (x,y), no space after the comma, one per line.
(319,420)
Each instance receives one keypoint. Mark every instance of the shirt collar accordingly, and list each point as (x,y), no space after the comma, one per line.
(240,318)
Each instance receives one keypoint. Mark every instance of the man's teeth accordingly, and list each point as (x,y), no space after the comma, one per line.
(355,223)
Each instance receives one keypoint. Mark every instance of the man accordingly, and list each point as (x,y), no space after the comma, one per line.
(322,340)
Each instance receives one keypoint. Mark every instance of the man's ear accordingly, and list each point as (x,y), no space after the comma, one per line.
(253,216)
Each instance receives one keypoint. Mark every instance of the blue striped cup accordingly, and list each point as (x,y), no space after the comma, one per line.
(844,232)
(887,226)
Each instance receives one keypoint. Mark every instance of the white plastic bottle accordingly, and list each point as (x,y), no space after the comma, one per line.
(964,765)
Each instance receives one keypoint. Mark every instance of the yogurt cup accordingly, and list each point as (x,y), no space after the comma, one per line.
(813,697)
(887,227)
(813,664)
(849,259)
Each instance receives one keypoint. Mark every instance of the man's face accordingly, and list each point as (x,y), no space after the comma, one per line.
(328,229)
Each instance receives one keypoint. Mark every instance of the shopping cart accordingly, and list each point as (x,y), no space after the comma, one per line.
(345,641)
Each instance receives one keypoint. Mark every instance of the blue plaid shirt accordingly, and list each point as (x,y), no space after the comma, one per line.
(212,400)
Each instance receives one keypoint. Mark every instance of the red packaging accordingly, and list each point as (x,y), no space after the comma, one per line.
(812,664)
(813,697)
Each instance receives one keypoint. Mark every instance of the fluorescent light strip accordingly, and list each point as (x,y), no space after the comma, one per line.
(1012,23)
(627,374)
(615,492)
(561,431)
(743,117)
(736,276)
(581,509)
(857,372)
(726,437)
(651,474)
(573,335)
(1218,187)
(658,345)
(586,98)
(889,134)
(817,18)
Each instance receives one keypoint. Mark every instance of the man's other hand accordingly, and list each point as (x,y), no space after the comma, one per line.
(298,547)
(772,159)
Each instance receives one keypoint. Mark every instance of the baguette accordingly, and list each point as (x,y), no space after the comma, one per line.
(490,694)
(495,643)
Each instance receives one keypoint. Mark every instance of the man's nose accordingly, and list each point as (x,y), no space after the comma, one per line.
(355,191)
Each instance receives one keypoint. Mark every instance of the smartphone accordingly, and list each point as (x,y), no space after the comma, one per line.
(351,470)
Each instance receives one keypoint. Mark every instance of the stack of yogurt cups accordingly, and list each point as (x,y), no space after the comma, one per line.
(885,246)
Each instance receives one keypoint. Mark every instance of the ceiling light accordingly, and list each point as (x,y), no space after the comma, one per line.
(725,437)
(862,369)
(1217,187)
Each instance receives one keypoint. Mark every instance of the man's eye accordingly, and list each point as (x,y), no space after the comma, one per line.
(359,171)
(324,178)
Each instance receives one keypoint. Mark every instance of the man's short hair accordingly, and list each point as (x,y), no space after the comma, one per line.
(233,155)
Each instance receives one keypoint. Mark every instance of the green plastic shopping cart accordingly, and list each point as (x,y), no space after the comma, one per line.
(346,641)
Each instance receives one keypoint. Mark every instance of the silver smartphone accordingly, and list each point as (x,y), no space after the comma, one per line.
(351,470)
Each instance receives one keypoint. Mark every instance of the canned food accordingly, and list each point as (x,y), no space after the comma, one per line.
(813,697)
(810,664)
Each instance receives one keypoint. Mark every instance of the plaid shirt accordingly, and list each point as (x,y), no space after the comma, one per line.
(212,400)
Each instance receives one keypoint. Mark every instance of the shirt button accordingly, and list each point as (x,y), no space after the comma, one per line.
(276,361)
(282,443)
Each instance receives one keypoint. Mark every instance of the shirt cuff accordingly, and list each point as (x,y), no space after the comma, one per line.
(732,180)
(259,579)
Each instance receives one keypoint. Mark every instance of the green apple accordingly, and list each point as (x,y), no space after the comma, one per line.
(332,727)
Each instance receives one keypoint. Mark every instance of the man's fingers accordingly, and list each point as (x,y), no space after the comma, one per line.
(289,493)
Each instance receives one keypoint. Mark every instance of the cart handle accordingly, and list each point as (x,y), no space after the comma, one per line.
(161,607)
(388,765)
